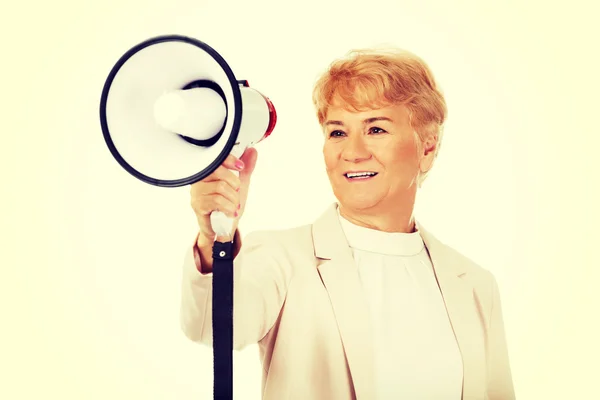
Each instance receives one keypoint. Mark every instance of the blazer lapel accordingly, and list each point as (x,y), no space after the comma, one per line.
(462,311)
(340,276)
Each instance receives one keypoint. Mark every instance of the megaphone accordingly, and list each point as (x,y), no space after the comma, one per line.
(171,111)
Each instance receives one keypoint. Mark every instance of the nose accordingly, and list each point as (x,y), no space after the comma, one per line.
(355,149)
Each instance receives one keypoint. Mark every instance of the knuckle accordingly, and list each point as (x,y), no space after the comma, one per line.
(220,201)
(222,186)
(225,205)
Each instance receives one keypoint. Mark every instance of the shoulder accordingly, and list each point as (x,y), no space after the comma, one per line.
(478,276)
(472,269)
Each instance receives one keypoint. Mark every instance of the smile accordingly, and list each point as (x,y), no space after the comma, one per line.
(362,175)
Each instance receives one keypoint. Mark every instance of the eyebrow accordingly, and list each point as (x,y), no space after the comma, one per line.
(365,122)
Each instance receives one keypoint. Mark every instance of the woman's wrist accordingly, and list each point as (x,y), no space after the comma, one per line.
(204,241)
(204,247)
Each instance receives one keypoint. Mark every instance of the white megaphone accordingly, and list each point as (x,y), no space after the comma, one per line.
(172,110)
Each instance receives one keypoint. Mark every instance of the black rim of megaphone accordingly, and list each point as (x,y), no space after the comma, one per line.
(237,118)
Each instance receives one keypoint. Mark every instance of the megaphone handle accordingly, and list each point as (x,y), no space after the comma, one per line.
(221,224)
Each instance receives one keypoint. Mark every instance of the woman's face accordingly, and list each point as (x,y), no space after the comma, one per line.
(378,145)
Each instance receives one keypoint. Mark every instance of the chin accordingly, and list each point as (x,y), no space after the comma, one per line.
(359,202)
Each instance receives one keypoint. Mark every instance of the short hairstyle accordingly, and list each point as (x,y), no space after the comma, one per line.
(375,78)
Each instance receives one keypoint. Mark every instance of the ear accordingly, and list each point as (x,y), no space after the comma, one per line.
(428,148)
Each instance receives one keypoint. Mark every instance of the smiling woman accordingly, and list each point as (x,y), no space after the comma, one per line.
(363,303)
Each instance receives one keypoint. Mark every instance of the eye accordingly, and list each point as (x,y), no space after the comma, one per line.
(336,134)
(376,130)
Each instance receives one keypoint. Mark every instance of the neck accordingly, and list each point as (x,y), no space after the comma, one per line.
(392,219)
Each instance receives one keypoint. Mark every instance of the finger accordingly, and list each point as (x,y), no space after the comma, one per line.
(220,174)
(218,187)
(224,174)
(249,159)
(220,203)
(232,162)
(215,202)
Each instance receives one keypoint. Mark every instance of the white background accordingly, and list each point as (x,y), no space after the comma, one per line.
(91,257)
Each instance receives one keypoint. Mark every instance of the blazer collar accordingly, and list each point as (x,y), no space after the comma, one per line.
(329,242)
(340,276)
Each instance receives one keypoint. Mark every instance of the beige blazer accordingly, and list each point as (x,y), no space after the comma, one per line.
(297,294)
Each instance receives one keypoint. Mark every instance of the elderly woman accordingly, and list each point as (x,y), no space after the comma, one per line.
(364,303)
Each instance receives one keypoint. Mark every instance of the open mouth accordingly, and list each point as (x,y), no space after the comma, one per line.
(363,175)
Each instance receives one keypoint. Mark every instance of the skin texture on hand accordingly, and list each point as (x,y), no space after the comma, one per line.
(225,191)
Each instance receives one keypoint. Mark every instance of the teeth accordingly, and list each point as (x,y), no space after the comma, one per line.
(357,174)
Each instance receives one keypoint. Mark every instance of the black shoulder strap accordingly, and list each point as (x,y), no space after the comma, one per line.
(222,320)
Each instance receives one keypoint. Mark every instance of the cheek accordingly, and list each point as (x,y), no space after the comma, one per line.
(403,157)
(330,157)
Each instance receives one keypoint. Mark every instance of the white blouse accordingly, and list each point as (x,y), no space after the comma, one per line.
(416,354)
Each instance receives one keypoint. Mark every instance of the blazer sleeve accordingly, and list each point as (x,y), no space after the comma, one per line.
(500,382)
(261,277)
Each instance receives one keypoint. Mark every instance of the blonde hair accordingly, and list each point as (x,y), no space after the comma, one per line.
(375,78)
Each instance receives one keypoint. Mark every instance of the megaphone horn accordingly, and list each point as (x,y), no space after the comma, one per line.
(172,110)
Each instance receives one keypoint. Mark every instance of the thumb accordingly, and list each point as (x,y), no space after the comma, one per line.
(249,159)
